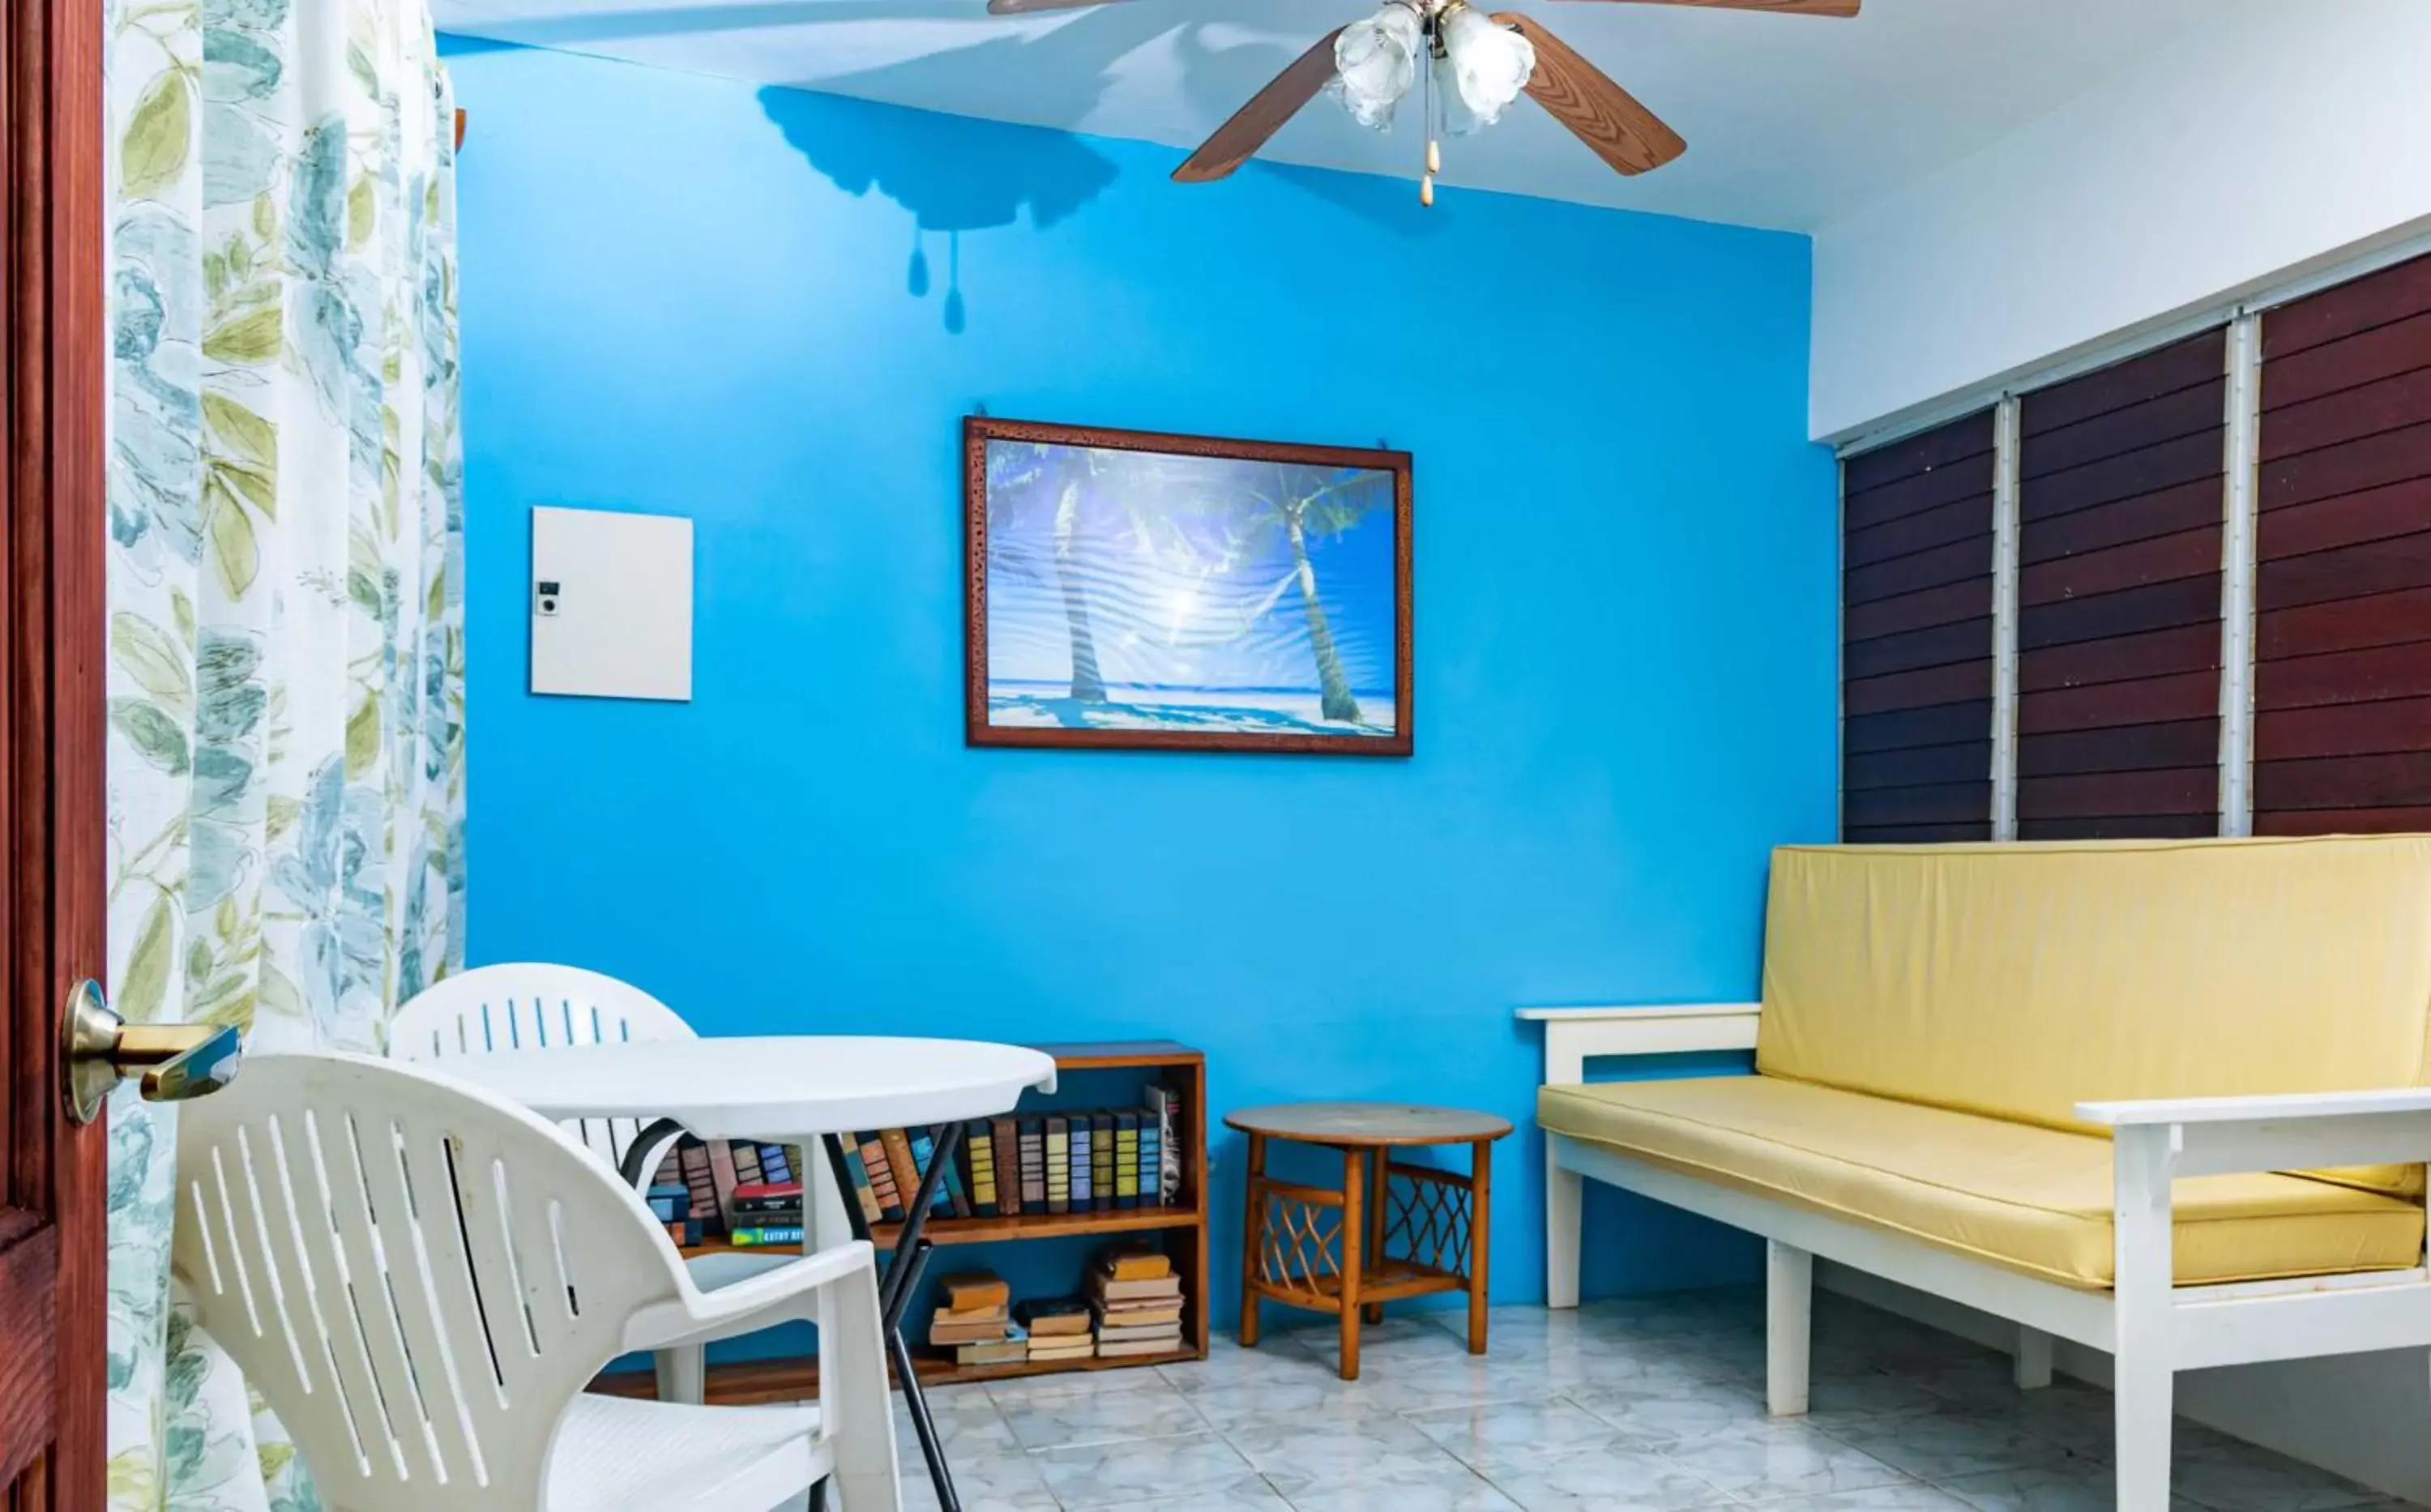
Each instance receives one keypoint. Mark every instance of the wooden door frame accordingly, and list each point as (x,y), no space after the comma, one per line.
(53,1257)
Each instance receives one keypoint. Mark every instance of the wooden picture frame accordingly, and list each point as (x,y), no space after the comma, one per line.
(1331,719)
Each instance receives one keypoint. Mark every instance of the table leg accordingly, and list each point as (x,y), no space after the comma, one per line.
(1253,1240)
(895,1287)
(1379,1205)
(1481,1187)
(1355,1192)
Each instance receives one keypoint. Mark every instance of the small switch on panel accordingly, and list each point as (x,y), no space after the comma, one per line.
(546,598)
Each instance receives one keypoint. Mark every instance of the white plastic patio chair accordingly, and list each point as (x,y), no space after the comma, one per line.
(529,1006)
(421,1279)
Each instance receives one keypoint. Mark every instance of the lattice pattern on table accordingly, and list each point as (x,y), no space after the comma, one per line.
(1302,1243)
(1427,1218)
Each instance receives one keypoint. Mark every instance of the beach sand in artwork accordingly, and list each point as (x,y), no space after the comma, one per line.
(1197,711)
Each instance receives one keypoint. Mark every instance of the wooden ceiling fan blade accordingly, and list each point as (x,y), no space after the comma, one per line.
(1023,7)
(1787,8)
(1264,115)
(1598,111)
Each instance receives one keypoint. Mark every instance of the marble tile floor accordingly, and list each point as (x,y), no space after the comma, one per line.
(1648,1405)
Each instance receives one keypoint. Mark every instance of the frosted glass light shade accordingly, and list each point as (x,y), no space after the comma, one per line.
(1375,62)
(1488,65)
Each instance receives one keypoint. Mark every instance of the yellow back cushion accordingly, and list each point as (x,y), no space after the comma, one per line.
(2019,979)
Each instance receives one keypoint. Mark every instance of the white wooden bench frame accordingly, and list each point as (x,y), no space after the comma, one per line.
(2151,1327)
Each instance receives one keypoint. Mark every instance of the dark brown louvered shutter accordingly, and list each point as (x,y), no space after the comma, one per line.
(1916,627)
(2120,478)
(2342,584)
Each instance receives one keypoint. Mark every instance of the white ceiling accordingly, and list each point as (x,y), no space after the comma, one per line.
(1792,121)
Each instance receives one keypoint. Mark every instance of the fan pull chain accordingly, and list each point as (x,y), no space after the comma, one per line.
(1427,103)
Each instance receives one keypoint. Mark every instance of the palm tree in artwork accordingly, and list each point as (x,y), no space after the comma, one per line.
(1307,503)
(1024,475)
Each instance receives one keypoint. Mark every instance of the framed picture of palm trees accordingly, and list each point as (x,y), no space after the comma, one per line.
(1136,590)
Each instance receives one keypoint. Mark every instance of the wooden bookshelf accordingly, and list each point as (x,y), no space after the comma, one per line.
(1180,1231)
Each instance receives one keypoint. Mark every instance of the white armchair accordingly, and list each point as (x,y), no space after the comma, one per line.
(526,1007)
(421,1280)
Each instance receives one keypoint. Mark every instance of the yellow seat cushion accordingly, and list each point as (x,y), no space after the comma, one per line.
(2033,1199)
(2017,979)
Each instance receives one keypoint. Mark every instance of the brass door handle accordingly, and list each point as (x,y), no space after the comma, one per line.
(97,1049)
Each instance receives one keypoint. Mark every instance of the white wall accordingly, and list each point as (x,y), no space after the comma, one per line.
(2280,134)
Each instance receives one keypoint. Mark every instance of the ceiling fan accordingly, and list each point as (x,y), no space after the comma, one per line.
(1466,65)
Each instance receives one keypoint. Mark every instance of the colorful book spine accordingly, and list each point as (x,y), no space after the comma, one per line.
(774,1233)
(906,1164)
(747,1164)
(979,1153)
(1101,1161)
(1006,1138)
(1033,1165)
(1151,1161)
(1083,1164)
(778,1165)
(924,1154)
(1127,1161)
(881,1177)
(721,1170)
(863,1195)
(693,1161)
(1059,1165)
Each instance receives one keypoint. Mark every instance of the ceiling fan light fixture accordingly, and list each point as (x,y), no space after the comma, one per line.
(1483,68)
(1375,62)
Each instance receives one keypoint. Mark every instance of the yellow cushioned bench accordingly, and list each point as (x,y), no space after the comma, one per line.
(1933,1014)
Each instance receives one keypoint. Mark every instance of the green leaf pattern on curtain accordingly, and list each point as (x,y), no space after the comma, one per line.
(286,628)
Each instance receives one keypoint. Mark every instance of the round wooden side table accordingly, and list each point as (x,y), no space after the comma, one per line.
(1395,1230)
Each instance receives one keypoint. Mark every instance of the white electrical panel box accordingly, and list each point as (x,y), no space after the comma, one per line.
(612,604)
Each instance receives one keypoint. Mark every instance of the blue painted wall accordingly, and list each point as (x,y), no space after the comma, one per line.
(687,295)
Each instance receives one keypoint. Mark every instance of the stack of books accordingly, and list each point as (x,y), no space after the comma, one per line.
(711,1176)
(1081,1162)
(1137,1302)
(1059,1330)
(975,1320)
(767,1213)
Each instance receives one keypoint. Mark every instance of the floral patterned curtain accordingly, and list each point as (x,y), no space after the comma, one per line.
(286,645)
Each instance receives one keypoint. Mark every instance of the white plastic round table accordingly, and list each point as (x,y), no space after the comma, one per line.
(781,1089)
(788,1089)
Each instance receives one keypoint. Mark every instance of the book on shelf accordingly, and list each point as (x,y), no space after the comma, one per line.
(722,1180)
(1139,1346)
(1005,1140)
(898,1145)
(983,1327)
(1058,1164)
(1055,1350)
(924,1155)
(1147,1310)
(1033,1165)
(747,1166)
(1112,1333)
(1101,1161)
(1054,1318)
(978,1154)
(1083,1166)
(776,1163)
(760,1235)
(863,1195)
(1014,1349)
(966,1290)
(880,1171)
(670,1202)
(1127,1145)
(1166,1104)
(1132,1262)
